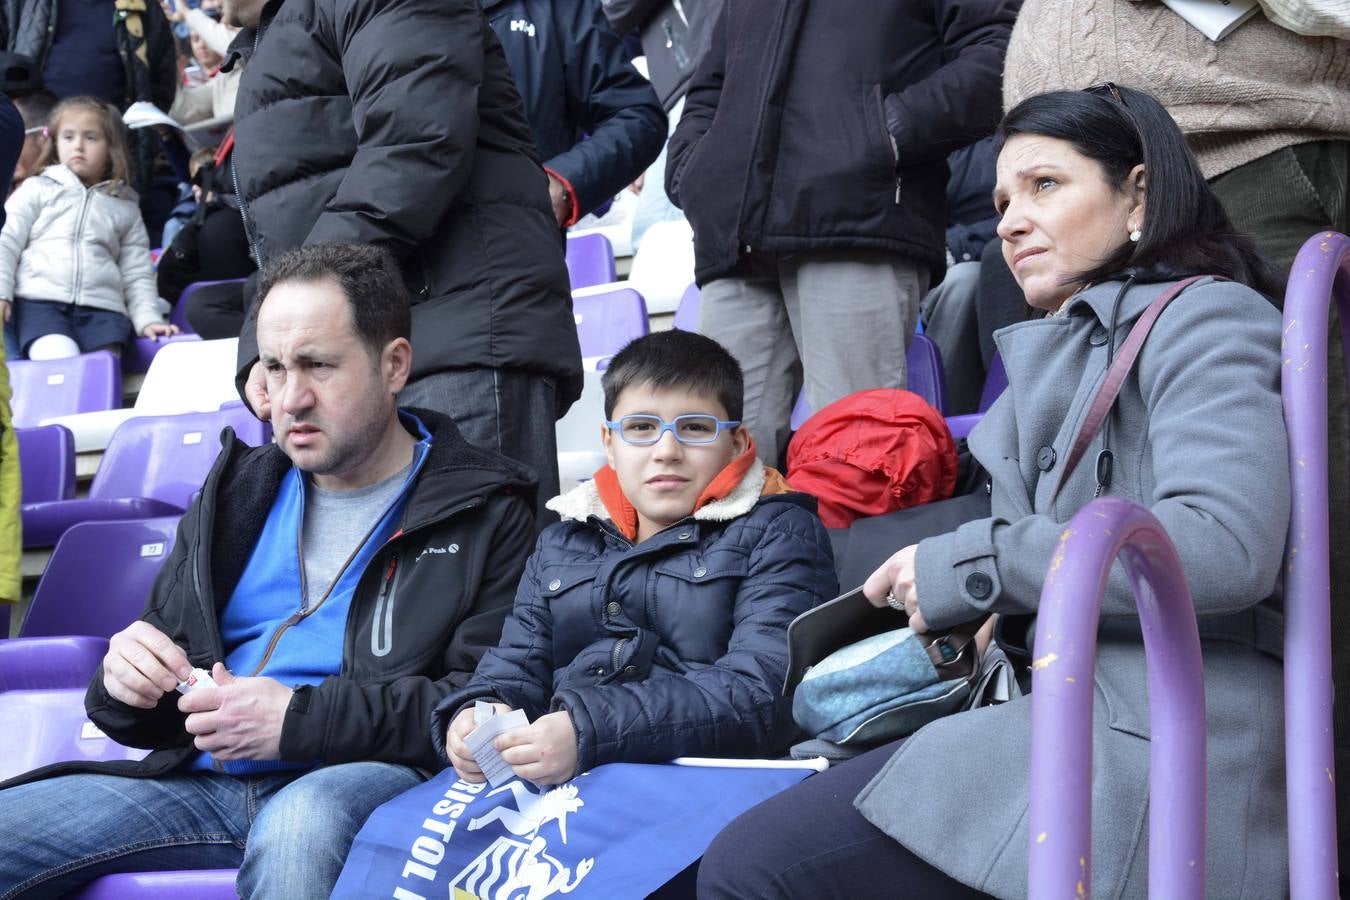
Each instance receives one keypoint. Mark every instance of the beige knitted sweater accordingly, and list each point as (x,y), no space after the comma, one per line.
(1260,89)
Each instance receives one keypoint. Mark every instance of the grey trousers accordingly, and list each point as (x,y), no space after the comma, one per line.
(835,322)
(511,411)
(950,321)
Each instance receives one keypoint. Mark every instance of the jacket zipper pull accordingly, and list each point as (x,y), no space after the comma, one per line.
(897,190)
(389,573)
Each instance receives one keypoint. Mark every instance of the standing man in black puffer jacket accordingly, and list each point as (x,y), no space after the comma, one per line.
(811,162)
(396,122)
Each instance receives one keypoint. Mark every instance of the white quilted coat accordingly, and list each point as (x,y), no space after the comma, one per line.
(71,244)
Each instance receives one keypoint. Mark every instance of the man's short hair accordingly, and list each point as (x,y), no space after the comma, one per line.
(676,359)
(369,278)
(35,107)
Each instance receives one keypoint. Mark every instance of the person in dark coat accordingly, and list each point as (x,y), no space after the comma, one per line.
(811,162)
(336,584)
(398,124)
(596,121)
(665,593)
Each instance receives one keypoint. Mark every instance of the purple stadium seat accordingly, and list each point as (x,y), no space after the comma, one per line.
(206,884)
(925,379)
(95,584)
(179,314)
(143,353)
(607,321)
(48,726)
(46,463)
(590,260)
(686,314)
(58,387)
(994,384)
(152,467)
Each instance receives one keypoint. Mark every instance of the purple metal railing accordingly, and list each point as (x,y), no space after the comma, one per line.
(1060,864)
(1321,272)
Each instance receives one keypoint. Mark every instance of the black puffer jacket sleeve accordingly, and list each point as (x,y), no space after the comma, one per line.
(518,671)
(344,720)
(963,100)
(700,106)
(611,102)
(412,70)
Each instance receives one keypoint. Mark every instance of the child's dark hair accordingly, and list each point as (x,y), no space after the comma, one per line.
(676,359)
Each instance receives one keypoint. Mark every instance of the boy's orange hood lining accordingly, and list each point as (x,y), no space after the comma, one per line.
(626,518)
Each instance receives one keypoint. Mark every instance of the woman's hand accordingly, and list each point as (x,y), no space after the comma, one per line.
(159,329)
(466,767)
(896,578)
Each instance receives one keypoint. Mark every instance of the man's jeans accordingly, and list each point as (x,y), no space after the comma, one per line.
(288,832)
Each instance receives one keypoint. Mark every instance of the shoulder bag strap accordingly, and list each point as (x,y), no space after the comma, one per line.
(1115,379)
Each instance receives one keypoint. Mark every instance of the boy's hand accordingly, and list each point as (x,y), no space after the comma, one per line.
(158,329)
(544,752)
(466,767)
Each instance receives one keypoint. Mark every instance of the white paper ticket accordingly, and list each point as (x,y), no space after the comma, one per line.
(197,679)
(480,741)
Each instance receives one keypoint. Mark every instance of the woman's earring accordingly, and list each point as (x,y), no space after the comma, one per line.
(1136,235)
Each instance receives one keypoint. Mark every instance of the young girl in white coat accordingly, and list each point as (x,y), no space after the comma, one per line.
(75,267)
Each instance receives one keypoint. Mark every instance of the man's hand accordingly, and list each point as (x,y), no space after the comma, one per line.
(142,665)
(239,718)
(466,767)
(255,393)
(157,329)
(896,577)
(6,309)
(562,204)
(172,11)
(544,752)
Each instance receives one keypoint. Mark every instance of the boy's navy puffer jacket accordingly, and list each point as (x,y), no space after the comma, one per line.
(674,647)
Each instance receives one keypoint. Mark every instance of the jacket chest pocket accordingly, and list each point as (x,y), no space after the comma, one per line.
(692,604)
(567,591)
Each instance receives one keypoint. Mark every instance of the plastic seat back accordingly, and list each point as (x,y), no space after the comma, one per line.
(46,463)
(926,379)
(50,726)
(189,376)
(167,457)
(590,260)
(99,576)
(687,313)
(179,315)
(663,265)
(57,387)
(607,321)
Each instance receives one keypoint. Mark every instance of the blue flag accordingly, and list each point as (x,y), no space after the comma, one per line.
(620,830)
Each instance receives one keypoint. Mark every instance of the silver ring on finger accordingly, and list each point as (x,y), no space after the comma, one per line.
(895,602)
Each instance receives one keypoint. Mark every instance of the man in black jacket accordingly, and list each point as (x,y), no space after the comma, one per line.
(398,124)
(811,162)
(596,121)
(336,585)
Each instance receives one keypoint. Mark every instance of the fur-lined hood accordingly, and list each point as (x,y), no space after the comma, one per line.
(583,501)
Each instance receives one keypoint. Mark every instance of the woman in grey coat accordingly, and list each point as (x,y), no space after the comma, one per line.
(1102,208)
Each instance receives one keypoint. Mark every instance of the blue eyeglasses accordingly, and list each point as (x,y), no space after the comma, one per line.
(644,430)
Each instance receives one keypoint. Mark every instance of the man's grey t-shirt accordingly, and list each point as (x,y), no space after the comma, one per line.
(336,526)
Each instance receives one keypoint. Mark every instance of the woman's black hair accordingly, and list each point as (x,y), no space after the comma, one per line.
(1185,229)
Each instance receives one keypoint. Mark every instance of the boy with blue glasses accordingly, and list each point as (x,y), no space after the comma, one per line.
(651,622)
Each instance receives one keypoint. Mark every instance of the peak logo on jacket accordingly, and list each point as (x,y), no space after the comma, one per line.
(437,551)
(523,25)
